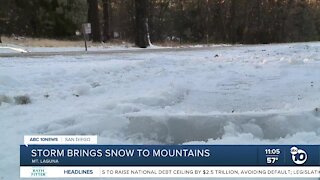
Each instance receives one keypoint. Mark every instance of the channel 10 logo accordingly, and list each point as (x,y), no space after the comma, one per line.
(299,156)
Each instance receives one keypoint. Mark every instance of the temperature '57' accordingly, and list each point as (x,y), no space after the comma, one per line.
(272,160)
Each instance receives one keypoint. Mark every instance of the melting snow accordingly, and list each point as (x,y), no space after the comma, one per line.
(266,94)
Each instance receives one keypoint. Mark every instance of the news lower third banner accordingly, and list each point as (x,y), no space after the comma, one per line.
(90,160)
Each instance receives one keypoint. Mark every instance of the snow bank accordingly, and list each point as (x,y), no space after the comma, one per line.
(216,95)
(248,128)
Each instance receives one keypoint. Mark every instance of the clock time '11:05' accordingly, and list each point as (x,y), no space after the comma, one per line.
(272,155)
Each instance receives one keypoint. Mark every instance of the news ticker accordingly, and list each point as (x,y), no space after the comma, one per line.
(78,156)
(169,172)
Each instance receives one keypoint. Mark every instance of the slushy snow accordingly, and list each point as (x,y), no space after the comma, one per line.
(265,94)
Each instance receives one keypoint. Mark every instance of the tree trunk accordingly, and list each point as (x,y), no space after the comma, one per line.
(106,20)
(93,18)
(142,40)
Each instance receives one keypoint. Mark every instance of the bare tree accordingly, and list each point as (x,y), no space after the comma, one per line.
(142,34)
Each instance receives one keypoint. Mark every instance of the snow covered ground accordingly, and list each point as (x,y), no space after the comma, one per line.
(267,94)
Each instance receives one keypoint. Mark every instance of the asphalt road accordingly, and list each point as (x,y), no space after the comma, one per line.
(76,53)
(131,51)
